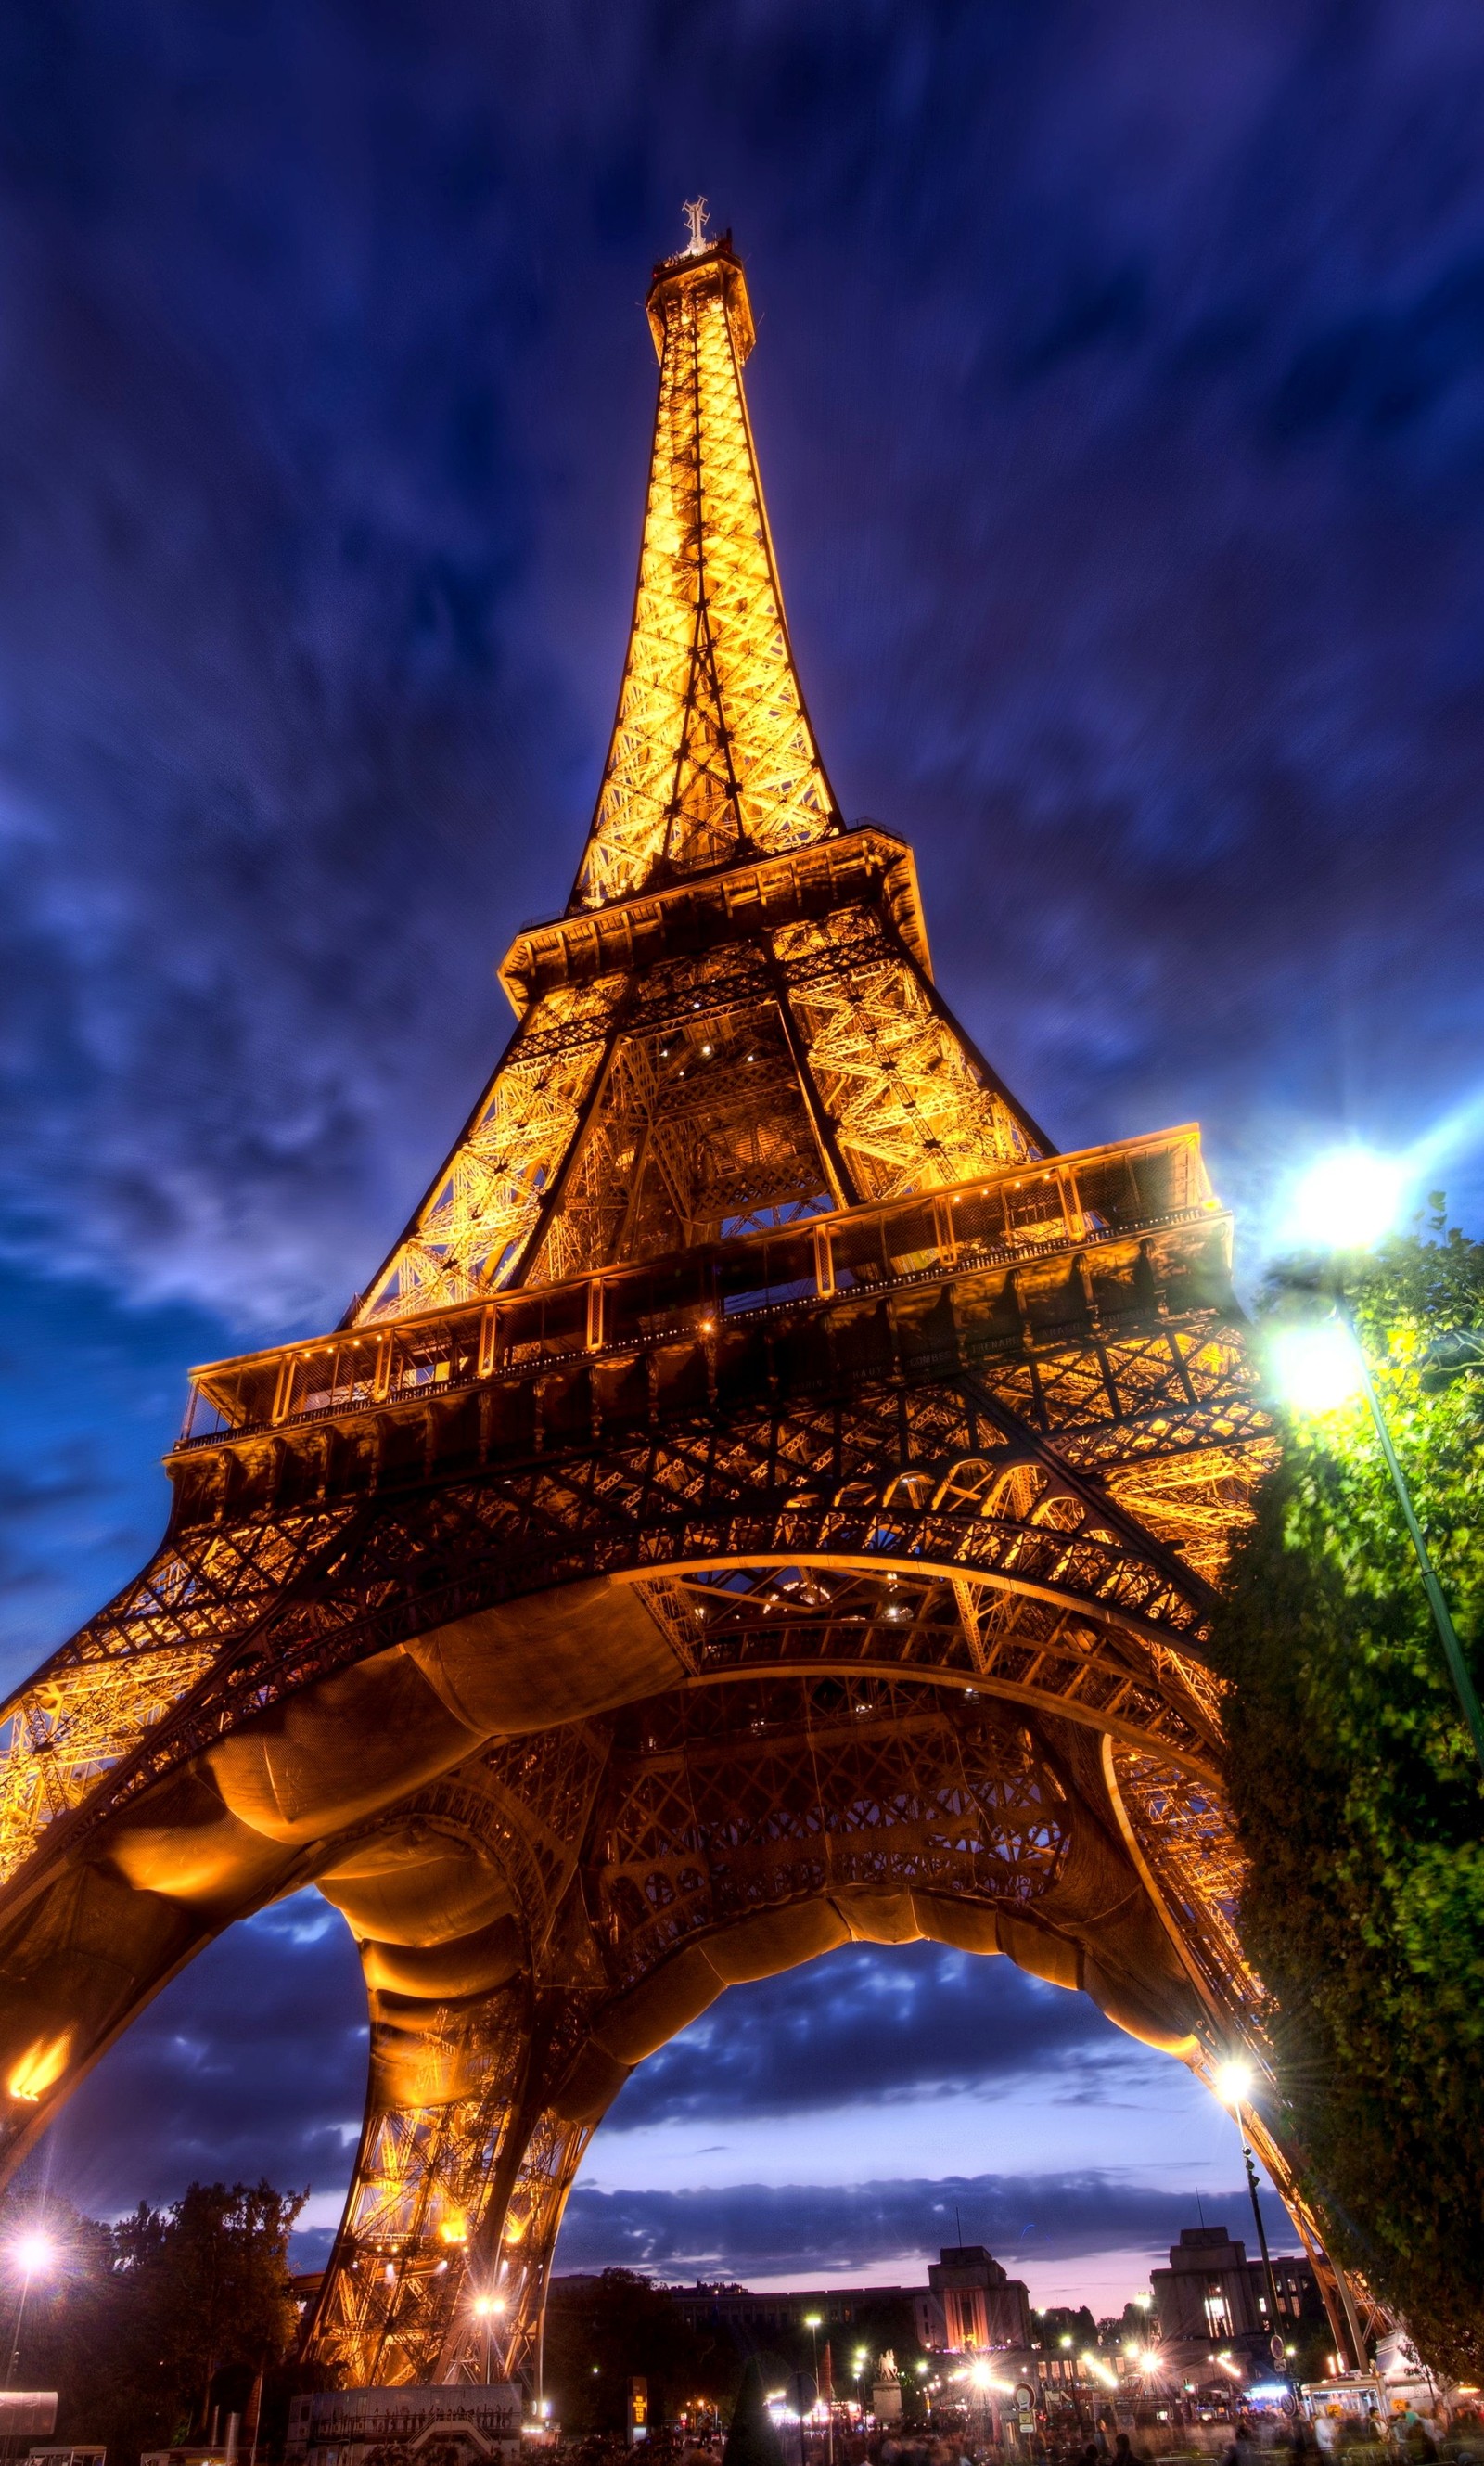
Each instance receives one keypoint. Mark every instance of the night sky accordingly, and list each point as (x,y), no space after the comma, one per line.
(1119,393)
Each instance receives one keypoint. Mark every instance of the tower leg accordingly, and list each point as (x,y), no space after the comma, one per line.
(457,2197)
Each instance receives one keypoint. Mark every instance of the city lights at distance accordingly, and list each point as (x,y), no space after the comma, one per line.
(1348,1199)
(1315,1368)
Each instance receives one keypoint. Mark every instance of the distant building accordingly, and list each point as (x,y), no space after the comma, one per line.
(968,2302)
(971,2303)
(1213,2294)
(728,2306)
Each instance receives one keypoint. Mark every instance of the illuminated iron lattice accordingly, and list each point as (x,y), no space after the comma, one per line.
(768,1499)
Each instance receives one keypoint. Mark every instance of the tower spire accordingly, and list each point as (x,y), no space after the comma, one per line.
(734,1024)
(712,756)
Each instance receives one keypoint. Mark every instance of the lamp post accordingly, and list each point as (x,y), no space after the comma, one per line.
(1346,1202)
(811,2321)
(35,2253)
(1234,2083)
(485,2308)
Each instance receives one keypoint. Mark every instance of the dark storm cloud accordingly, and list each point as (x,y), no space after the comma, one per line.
(770,2231)
(1121,394)
(90,1393)
(252,2063)
(868,2026)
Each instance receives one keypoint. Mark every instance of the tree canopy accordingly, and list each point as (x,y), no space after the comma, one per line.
(601,2330)
(1357,1795)
(145,2326)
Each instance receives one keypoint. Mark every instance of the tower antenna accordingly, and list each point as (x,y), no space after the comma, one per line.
(696,219)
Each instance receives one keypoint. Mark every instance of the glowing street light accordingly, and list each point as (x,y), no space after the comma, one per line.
(1317,1366)
(1348,1199)
(812,2321)
(487,2308)
(34,2255)
(1233,2083)
(1346,1202)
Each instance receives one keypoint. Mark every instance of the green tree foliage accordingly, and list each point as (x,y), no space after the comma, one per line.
(145,2326)
(601,2331)
(752,2435)
(1358,1797)
(1066,2320)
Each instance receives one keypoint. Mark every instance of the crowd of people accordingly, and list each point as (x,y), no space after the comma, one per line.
(1447,2437)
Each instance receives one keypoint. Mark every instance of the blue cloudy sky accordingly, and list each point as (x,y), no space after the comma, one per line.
(1121,396)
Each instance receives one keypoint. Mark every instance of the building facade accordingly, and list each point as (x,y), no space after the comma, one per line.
(971,2303)
(742,2310)
(1213,2294)
(459,2425)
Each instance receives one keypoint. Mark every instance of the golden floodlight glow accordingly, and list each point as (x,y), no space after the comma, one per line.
(39,2067)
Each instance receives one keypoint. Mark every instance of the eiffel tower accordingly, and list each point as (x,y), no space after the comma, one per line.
(769,1498)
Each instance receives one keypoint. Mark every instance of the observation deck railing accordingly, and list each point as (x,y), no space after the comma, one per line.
(1010,1218)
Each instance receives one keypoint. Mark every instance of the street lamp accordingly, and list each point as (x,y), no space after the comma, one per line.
(1345,1202)
(35,2253)
(1234,2083)
(487,2308)
(862,2360)
(811,2321)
